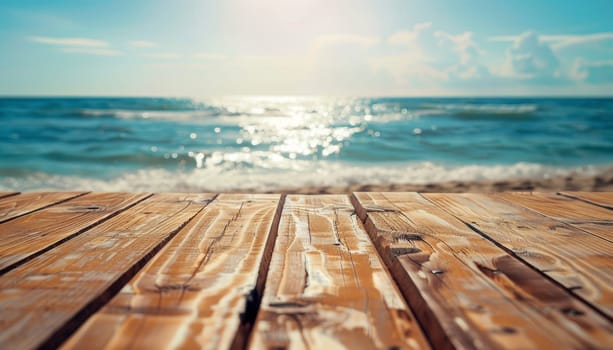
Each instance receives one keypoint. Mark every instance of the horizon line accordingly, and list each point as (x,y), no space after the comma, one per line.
(5,96)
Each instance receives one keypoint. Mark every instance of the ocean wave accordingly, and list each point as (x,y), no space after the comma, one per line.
(468,110)
(136,159)
(218,116)
(149,114)
(300,174)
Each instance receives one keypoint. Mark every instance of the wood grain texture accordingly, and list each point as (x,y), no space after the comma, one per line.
(467,292)
(8,194)
(16,206)
(196,292)
(45,299)
(30,235)
(326,286)
(577,260)
(603,199)
(590,218)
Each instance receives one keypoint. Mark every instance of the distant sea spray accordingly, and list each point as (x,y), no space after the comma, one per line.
(267,143)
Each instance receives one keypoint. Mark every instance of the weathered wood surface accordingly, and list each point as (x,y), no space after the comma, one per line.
(16,206)
(603,199)
(327,288)
(467,292)
(581,262)
(199,290)
(7,194)
(33,234)
(44,300)
(588,217)
(465,271)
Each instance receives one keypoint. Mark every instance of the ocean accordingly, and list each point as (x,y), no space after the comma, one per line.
(269,143)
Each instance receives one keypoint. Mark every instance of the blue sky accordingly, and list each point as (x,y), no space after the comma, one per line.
(306,47)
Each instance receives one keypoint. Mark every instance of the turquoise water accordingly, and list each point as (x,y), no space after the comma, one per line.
(167,144)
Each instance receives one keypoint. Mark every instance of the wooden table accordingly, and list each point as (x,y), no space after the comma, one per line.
(267,271)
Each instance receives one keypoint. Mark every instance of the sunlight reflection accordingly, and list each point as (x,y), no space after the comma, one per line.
(279,130)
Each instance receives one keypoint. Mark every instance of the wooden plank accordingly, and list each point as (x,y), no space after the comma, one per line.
(577,260)
(28,236)
(326,287)
(8,194)
(22,204)
(45,299)
(595,220)
(466,291)
(602,199)
(198,291)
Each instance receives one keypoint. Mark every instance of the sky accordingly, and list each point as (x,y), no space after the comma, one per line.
(306,47)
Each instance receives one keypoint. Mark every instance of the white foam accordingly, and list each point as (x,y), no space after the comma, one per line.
(489,108)
(150,114)
(300,174)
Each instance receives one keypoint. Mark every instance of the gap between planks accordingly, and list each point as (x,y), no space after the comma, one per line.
(8,194)
(601,199)
(592,219)
(244,333)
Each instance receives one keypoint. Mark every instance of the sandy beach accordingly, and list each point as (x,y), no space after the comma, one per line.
(602,182)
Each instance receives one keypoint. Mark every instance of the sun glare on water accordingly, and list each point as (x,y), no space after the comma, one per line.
(293,127)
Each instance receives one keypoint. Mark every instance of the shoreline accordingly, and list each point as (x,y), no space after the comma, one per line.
(602,182)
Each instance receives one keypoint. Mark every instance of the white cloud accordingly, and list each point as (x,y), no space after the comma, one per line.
(406,71)
(462,44)
(143,43)
(600,72)
(529,57)
(411,63)
(468,52)
(409,37)
(208,56)
(433,58)
(85,46)
(164,56)
(564,41)
(559,42)
(86,42)
(92,51)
